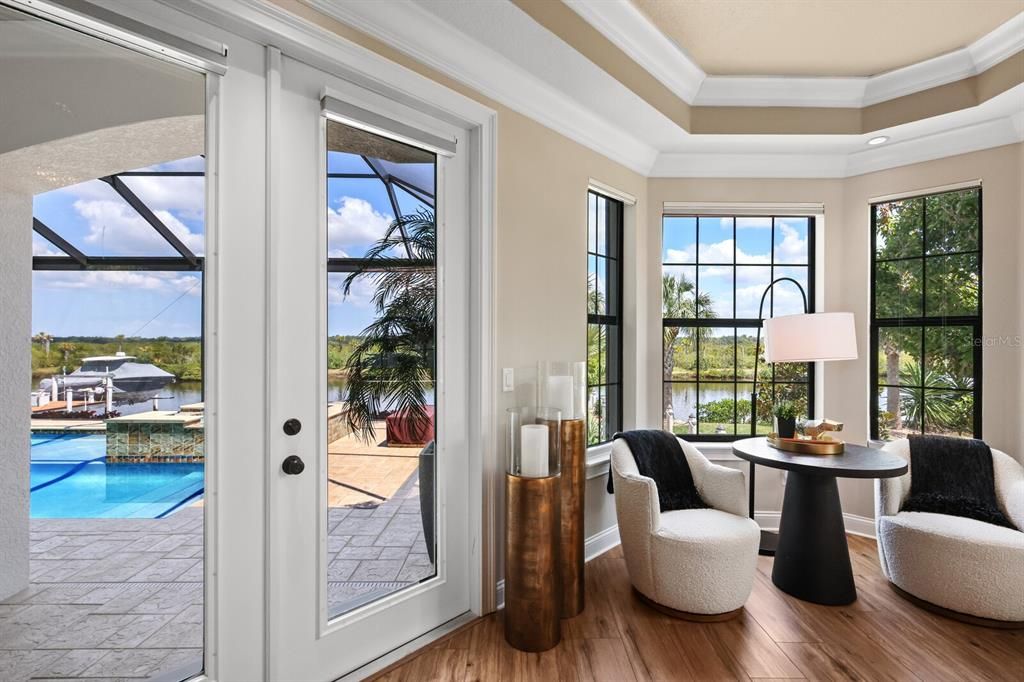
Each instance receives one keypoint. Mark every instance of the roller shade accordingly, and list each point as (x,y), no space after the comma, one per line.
(85,17)
(357,117)
(741,208)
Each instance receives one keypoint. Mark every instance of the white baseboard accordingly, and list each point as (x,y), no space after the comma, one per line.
(594,546)
(600,542)
(856,525)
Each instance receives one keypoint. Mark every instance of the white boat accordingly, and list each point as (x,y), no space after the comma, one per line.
(131,381)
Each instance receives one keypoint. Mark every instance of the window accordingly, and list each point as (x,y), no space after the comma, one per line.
(926,315)
(714,271)
(604,317)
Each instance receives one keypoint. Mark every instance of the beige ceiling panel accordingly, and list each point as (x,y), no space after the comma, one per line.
(822,37)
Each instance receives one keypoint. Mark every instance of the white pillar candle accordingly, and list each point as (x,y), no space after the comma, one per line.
(533,451)
(560,395)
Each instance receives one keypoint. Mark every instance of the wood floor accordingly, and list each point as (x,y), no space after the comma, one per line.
(618,638)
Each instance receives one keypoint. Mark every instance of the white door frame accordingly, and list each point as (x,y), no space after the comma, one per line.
(236,301)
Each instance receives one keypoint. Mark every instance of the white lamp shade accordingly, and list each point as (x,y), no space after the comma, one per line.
(810,338)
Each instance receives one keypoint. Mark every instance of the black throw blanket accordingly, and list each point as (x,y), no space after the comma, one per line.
(953,476)
(659,456)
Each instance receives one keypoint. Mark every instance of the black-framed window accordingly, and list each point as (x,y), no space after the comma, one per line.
(714,271)
(604,317)
(926,315)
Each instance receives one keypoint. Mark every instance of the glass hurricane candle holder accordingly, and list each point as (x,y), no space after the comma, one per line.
(534,442)
(563,386)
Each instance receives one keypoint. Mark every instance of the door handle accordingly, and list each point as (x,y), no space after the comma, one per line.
(293,465)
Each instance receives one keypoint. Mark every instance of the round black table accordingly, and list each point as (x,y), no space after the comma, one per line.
(812,560)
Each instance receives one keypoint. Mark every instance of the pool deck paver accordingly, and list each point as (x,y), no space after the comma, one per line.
(123,598)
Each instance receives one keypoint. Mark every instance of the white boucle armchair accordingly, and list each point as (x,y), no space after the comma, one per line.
(693,563)
(968,569)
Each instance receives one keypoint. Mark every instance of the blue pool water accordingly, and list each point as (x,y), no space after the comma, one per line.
(70,478)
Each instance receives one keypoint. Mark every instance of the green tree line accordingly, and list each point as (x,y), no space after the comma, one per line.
(52,355)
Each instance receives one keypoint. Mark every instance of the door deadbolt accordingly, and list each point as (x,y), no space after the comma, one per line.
(292,427)
(293,465)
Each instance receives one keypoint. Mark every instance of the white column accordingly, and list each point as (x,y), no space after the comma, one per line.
(15,377)
(108,385)
(69,397)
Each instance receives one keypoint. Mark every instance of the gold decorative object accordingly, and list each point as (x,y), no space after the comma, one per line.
(807,446)
(571,542)
(533,595)
(815,428)
(532,586)
(563,386)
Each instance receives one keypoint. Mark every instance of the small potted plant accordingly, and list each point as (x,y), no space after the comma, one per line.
(785,418)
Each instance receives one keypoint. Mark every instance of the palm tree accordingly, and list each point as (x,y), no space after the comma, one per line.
(67,349)
(394,358)
(45,339)
(680,300)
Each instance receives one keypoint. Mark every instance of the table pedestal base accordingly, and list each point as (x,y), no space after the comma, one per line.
(769,543)
(812,561)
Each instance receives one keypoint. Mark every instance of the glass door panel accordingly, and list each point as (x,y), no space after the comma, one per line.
(381,341)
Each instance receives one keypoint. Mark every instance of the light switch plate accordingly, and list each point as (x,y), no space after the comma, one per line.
(508,382)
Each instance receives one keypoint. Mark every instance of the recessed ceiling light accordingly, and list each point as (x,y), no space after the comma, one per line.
(881,139)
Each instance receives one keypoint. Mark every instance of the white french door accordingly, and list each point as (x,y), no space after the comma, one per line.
(368,543)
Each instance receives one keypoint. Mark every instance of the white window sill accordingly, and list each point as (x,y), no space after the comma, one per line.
(599,455)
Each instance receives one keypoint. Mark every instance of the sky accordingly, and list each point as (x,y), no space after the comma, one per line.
(748,243)
(98,222)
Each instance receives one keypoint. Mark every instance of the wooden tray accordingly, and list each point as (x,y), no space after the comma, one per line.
(803,446)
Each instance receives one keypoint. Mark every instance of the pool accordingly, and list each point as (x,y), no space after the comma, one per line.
(70,478)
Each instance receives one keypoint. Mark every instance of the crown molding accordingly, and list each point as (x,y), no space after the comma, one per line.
(429,39)
(636,35)
(425,37)
(632,32)
(961,140)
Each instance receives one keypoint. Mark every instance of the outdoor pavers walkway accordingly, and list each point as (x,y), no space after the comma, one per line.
(123,598)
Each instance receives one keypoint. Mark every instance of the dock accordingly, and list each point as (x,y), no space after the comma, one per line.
(62,406)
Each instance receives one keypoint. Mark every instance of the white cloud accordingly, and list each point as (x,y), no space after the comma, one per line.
(115,227)
(186,195)
(680,255)
(360,296)
(717,252)
(41,248)
(355,222)
(167,282)
(793,248)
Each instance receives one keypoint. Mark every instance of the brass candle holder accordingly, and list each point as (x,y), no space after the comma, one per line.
(563,385)
(532,511)
(571,540)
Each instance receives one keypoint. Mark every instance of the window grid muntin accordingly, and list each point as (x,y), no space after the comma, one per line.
(763,385)
(925,321)
(609,418)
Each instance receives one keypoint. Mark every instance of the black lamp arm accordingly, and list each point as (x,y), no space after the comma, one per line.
(757,346)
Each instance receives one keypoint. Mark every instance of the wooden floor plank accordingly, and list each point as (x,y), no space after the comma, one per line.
(603,660)
(881,636)
(819,661)
(757,653)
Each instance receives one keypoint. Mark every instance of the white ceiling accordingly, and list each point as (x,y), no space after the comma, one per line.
(819,37)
